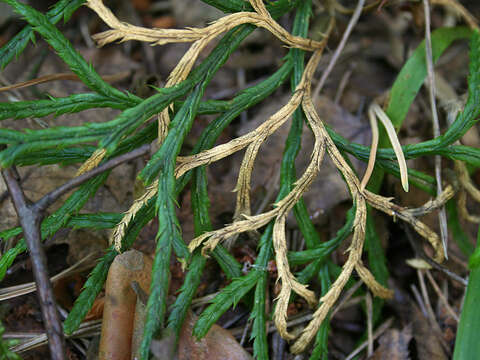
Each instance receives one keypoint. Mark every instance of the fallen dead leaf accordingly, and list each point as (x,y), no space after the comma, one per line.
(164,22)
(116,341)
(193,13)
(8,216)
(427,343)
(164,348)
(120,183)
(218,344)
(393,345)
(80,243)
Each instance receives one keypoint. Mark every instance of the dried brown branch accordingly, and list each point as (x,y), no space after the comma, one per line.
(124,32)
(30,219)
(52,196)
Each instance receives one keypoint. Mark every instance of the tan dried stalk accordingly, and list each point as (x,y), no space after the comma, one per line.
(287,279)
(465,180)
(327,301)
(243,222)
(466,186)
(383,204)
(367,277)
(356,247)
(212,238)
(284,206)
(374,112)
(462,208)
(256,136)
(242,188)
(124,32)
(433,204)
(373,150)
(243,182)
(178,74)
(92,162)
(119,231)
(187,163)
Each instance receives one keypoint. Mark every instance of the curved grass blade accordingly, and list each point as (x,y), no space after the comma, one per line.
(408,83)
(413,73)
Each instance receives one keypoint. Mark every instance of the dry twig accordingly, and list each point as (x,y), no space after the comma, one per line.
(30,217)
(442,215)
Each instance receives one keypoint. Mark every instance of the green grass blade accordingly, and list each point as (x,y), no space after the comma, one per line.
(229,296)
(94,221)
(202,223)
(259,317)
(181,306)
(413,73)
(229,265)
(469,116)
(467,345)
(72,155)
